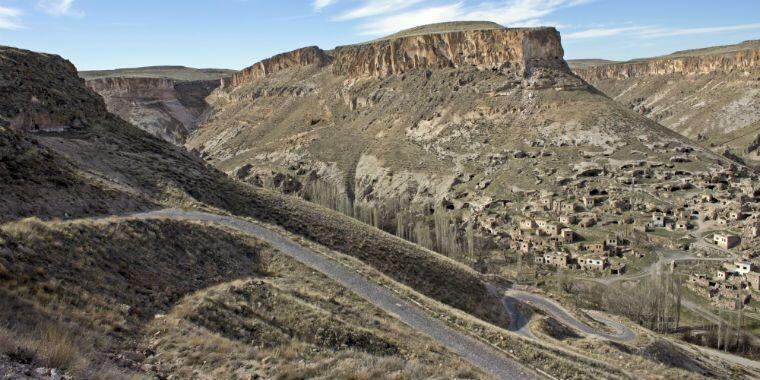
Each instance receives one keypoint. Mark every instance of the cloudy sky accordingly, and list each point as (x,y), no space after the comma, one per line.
(98,34)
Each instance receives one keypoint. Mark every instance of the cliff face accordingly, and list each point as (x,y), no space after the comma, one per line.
(311,55)
(711,95)
(164,107)
(740,61)
(512,49)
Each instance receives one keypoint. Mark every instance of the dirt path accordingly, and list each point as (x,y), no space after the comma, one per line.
(487,358)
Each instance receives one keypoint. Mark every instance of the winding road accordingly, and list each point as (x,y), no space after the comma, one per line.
(519,324)
(489,359)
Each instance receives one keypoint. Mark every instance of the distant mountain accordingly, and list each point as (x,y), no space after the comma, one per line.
(178,73)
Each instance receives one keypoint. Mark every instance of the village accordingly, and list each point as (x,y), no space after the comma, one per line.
(600,233)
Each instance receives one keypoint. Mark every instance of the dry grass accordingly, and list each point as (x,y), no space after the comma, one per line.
(232,306)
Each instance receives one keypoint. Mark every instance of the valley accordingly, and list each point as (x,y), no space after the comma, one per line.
(454,200)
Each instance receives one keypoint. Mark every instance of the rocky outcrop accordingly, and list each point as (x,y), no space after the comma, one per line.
(511,49)
(33,102)
(695,65)
(311,55)
(166,108)
(516,51)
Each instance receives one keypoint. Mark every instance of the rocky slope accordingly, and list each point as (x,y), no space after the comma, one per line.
(710,94)
(63,155)
(436,132)
(164,107)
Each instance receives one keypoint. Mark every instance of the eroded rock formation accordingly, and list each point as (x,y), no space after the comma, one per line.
(711,95)
(740,61)
(513,50)
(311,55)
(164,107)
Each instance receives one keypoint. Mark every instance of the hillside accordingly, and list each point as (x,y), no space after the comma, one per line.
(710,95)
(438,137)
(106,292)
(67,157)
(175,309)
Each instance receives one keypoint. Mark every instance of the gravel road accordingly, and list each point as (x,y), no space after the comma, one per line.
(489,359)
(623,333)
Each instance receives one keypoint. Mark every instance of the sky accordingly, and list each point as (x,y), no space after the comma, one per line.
(106,34)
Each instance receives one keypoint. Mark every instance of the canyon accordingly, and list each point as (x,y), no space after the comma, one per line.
(453,193)
(710,95)
(166,101)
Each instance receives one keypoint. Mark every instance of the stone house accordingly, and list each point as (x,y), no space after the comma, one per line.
(753,281)
(617,268)
(598,248)
(682,225)
(568,207)
(722,275)
(568,219)
(557,259)
(568,236)
(726,241)
(592,263)
(743,266)
(658,220)
(527,224)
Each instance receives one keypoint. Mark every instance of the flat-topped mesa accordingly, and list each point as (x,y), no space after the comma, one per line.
(130,84)
(311,55)
(738,61)
(519,49)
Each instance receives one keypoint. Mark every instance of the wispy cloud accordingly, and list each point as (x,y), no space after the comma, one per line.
(388,16)
(664,32)
(377,7)
(654,31)
(10,18)
(59,7)
(602,32)
(319,4)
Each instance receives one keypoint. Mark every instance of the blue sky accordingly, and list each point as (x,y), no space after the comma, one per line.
(100,34)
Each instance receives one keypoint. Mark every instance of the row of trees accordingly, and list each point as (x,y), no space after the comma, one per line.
(654,302)
(430,226)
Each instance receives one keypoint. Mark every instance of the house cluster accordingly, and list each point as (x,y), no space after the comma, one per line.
(555,228)
(731,287)
(553,244)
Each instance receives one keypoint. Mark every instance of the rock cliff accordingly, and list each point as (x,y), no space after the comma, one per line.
(311,55)
(164,107)
(514,50)
(740,61)
(711,95)
(511,49)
